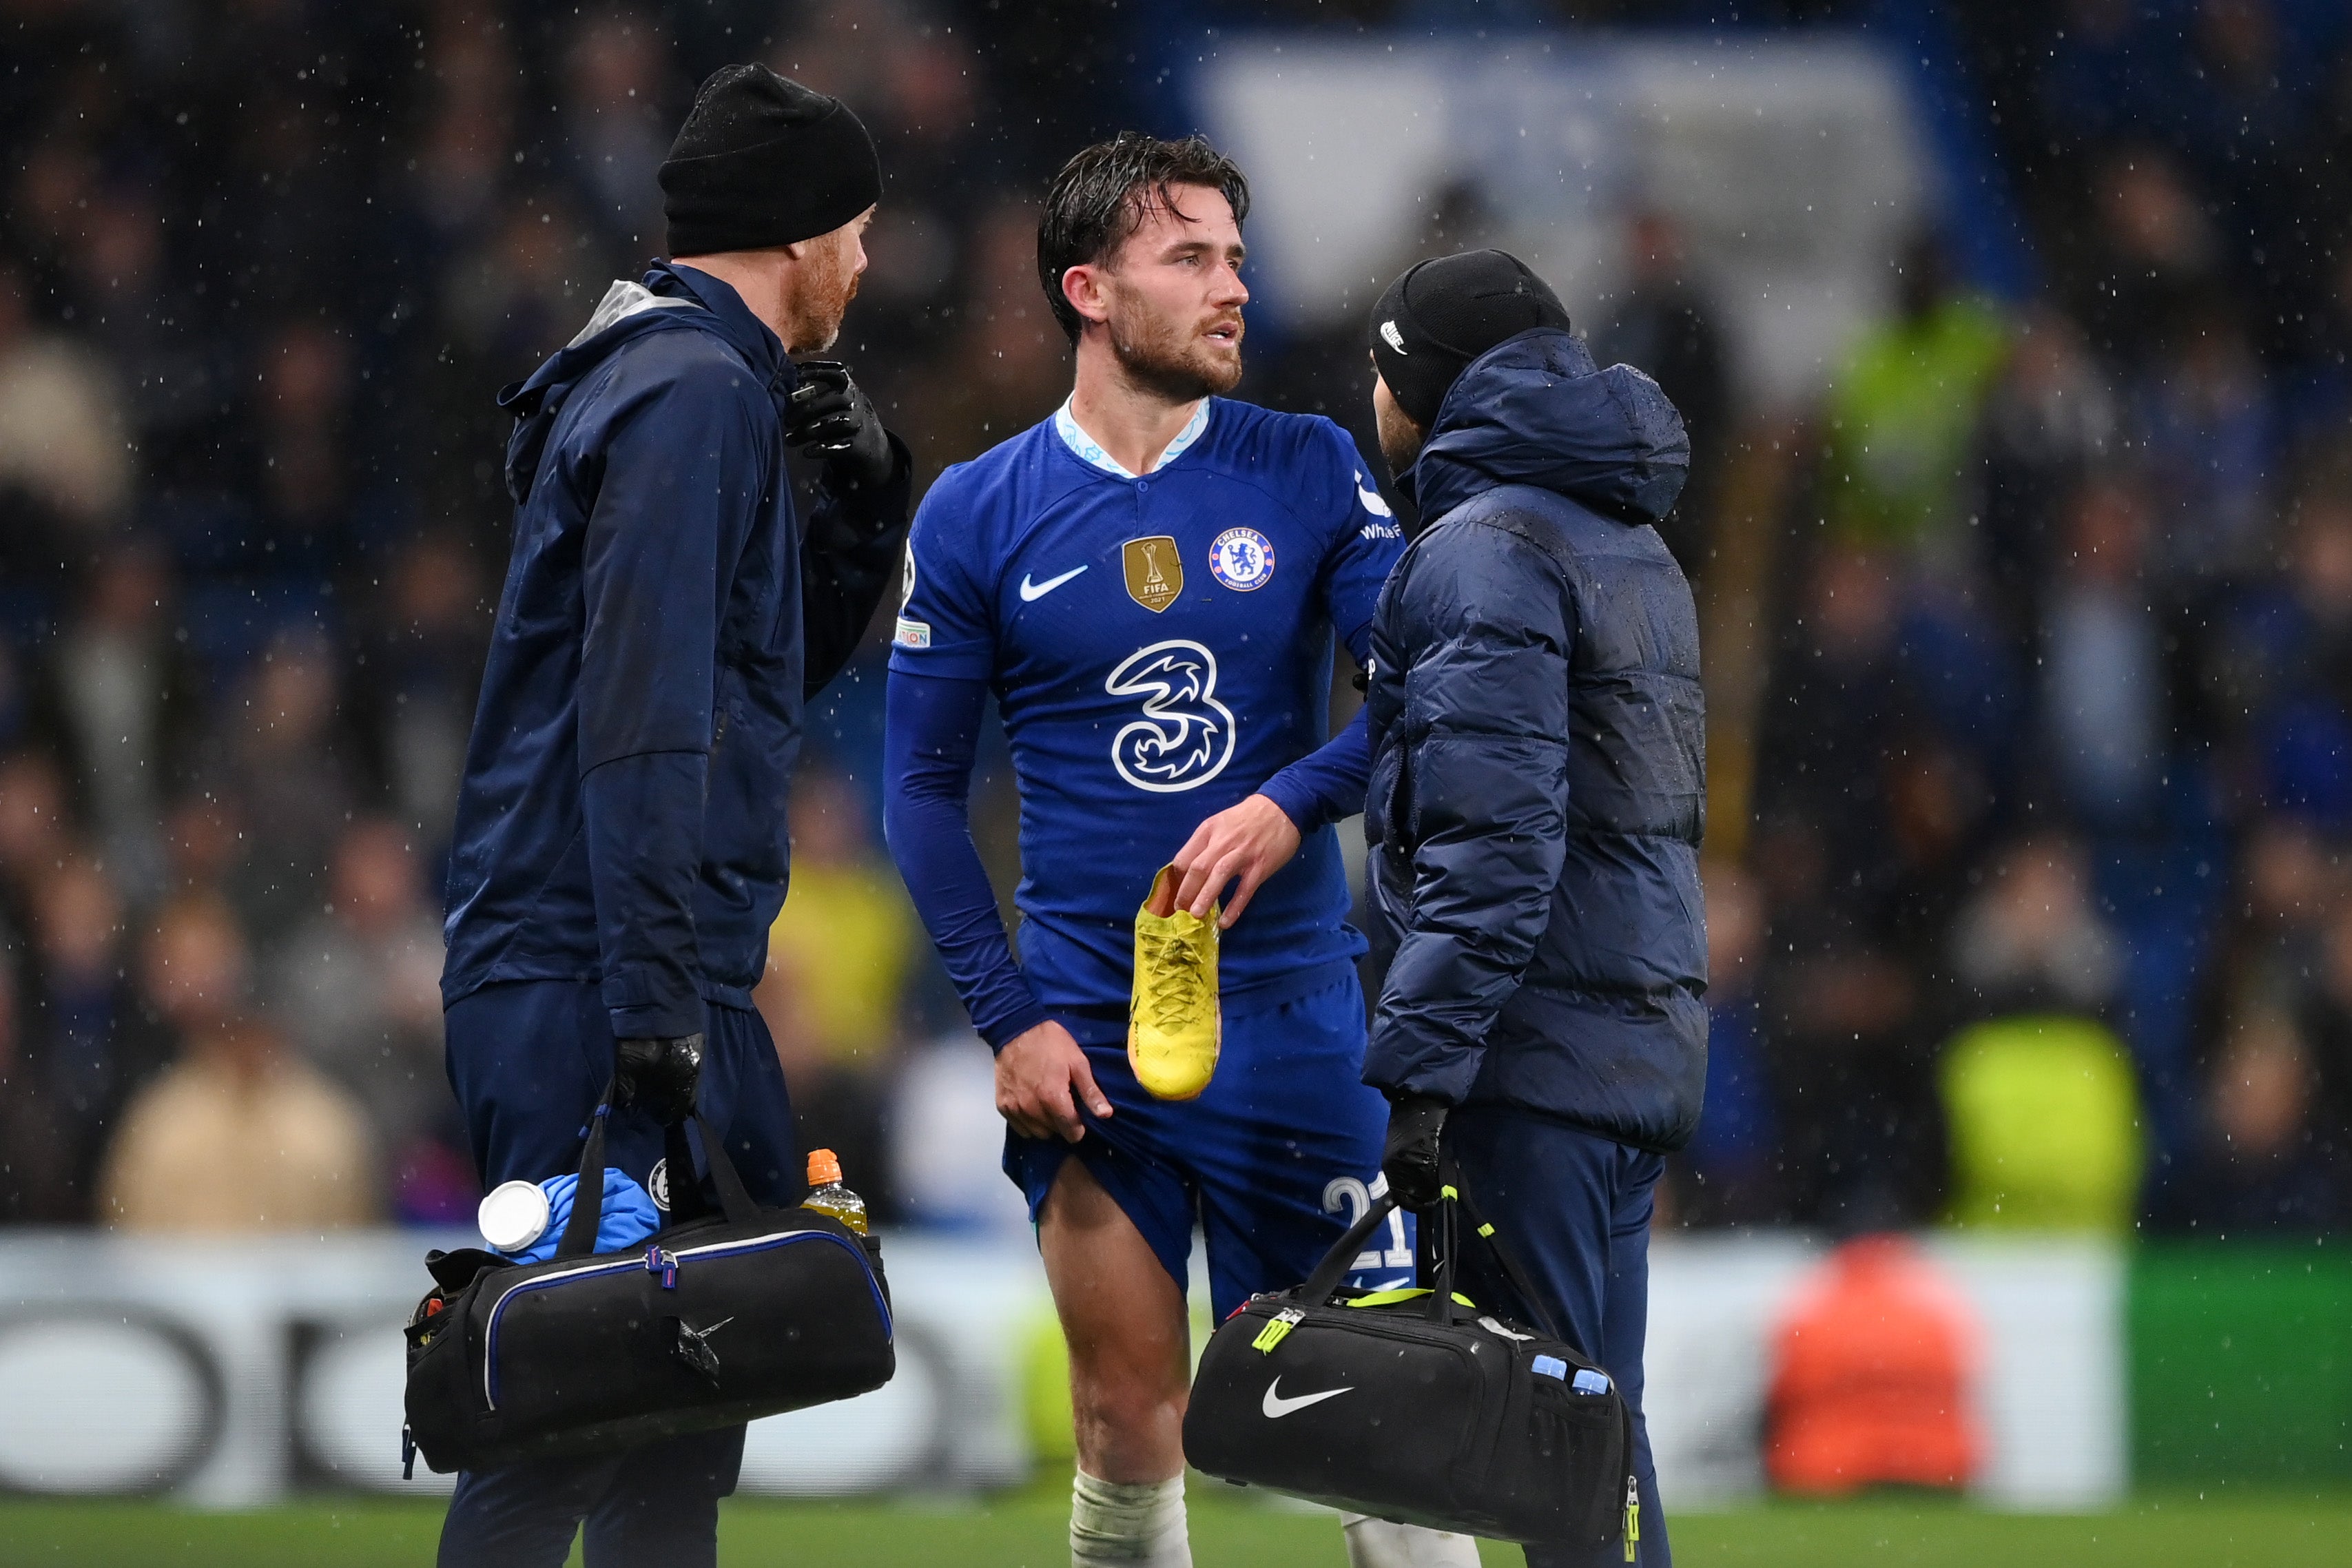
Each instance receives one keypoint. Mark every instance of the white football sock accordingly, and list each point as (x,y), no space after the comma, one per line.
(1137,1524)
(1381,1543)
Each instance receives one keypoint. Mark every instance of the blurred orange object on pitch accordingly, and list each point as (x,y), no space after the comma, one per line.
(1873,1366)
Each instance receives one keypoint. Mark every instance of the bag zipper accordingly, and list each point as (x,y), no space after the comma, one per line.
(1400,1326)
(1412,1330)
(674,1261)
(783,1238)
(1277,1329)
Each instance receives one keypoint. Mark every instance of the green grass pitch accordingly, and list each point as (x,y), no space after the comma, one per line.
(1025,1530)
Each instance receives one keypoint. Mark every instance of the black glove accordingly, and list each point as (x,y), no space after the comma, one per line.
(829,420)
(659,1075)
(1409,1160)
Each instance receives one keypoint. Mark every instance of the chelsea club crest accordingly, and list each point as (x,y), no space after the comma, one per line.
(1241,560)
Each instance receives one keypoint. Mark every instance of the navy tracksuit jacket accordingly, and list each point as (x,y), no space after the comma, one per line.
(620,848)
(1537,787)
(621,819)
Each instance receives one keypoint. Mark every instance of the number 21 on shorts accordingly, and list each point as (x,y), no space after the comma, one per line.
(1353,1197)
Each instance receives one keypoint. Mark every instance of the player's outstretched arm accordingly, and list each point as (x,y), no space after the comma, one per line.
(930,735)
(1042,1077)
(1240,847)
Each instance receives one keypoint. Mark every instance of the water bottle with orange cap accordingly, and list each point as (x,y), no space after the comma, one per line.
(829,1195)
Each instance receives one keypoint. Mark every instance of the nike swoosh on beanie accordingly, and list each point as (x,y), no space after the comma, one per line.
(1441,314)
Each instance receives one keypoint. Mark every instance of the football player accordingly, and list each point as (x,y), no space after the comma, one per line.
(1150,583)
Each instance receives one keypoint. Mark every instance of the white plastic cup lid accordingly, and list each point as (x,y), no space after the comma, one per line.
(513,1215)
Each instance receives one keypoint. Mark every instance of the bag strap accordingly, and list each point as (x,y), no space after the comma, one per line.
(1512,1274)
(1453,1207)
(588,1198)
(1326,1278)
(685,1188)
(1441,1296)
(734,1198)
(1441,1306)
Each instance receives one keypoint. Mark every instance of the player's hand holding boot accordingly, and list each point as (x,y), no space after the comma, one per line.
(1174,1025)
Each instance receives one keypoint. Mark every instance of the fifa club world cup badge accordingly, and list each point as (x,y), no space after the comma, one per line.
(1242,559)
(1155,571)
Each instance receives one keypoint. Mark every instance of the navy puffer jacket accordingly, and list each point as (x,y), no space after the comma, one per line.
(1539,758)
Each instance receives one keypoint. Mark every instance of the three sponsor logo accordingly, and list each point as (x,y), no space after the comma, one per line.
(1185,735)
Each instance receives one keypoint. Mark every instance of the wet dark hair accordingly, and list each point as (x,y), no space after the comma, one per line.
(1103,195)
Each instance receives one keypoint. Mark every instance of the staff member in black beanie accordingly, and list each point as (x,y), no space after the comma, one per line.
(1534,811)
(620,848)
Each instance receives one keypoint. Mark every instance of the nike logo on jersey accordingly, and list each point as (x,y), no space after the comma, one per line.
(1032,592)
(1277,1407)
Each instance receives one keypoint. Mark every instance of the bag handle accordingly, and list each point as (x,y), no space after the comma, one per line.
(734,1198)
(1326,1278)
(686,1199)
(588,1198)
(1512,1274)
(1446,1212)
(1452,1206)
(685,1190)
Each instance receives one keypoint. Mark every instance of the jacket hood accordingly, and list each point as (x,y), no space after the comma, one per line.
(1534,410)
(666,300)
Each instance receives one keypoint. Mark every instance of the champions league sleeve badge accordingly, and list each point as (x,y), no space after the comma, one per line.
(1242,559)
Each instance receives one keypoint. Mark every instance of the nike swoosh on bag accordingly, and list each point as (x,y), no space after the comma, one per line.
(1277,1407)
(1032,591)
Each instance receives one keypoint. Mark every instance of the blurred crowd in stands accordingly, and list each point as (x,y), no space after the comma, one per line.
(2042,915)
(2026,893)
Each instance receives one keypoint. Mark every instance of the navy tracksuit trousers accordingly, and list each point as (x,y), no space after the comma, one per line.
(528,1059)
(1574,1207)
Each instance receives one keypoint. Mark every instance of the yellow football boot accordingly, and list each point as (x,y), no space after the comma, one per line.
(1173,1024)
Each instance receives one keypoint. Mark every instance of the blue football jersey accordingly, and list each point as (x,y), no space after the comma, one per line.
(1160,646)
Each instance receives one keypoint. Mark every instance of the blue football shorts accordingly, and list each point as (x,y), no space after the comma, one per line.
(1277,1157)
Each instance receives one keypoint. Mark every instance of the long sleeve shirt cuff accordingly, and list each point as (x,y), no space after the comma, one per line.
(1298,798)
(1001,1032)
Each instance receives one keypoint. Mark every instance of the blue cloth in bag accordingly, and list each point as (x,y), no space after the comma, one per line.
(629,1216)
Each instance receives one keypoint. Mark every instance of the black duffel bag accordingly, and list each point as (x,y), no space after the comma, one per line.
(1414,1406)
(718,1318)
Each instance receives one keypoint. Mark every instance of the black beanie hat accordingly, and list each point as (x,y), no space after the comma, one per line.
(1444,313)
(762,160)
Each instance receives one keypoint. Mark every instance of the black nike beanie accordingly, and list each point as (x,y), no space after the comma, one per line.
(762,160)
(1444,313)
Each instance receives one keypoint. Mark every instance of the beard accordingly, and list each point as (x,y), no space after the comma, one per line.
(1171,359)
(823,304)
(1401,439)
